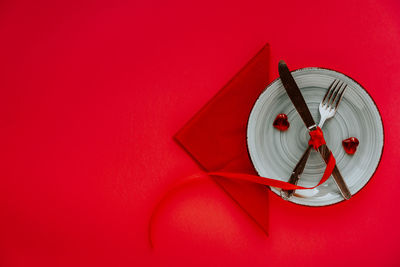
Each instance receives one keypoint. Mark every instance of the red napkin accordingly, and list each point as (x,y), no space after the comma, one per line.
(216,136)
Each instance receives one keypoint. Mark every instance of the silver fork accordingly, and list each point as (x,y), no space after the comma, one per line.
(327,109)
(332,98)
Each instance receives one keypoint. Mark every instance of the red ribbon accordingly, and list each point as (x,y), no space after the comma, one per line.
(316,140)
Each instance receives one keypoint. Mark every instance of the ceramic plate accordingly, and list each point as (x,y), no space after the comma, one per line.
(275,153)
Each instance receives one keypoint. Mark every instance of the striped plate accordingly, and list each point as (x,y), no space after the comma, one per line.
(274,153)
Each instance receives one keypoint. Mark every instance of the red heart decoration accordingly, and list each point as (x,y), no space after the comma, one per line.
(281,122)
(350,145)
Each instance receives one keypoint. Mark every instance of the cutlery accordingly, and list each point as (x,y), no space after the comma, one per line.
(299,103)
(327,109)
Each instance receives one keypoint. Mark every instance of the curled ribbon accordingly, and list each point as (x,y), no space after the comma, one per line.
(316,140)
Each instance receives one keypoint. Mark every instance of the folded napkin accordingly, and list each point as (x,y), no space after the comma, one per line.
(216,136)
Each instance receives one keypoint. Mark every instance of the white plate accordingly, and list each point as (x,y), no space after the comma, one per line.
(274,153)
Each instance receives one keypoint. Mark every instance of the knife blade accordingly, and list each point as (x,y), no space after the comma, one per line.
(299,103)
(295,95)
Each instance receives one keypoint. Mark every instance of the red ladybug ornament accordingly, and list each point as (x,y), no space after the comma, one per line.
(350,145)
(281,122)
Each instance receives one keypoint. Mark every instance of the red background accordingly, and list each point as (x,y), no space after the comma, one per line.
(92,93)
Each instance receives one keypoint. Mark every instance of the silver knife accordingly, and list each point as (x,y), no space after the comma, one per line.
(299,103)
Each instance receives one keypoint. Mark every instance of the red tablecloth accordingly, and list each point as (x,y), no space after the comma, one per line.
(92,93)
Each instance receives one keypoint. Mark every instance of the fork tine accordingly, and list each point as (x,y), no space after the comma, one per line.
(329,92)
(334,94)
(340,96)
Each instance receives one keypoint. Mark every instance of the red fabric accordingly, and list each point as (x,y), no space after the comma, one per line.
(216,136)
(317,138)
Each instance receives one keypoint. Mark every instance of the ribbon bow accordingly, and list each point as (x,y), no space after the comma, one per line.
(317,138)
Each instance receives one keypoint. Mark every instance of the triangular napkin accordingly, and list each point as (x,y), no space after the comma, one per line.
(216,136)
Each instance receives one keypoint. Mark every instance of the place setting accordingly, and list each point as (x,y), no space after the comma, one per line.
(313,136)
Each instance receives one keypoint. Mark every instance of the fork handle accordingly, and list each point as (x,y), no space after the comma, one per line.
(322,121)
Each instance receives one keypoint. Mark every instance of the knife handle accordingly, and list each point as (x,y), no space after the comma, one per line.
(297,171)
(341,184)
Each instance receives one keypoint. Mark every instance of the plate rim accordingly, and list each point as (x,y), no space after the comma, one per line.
(380,118)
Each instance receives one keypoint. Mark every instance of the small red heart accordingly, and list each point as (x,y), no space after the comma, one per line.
(350,145)
(281,122)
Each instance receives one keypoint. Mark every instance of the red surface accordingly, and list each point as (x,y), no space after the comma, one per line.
(92,93)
